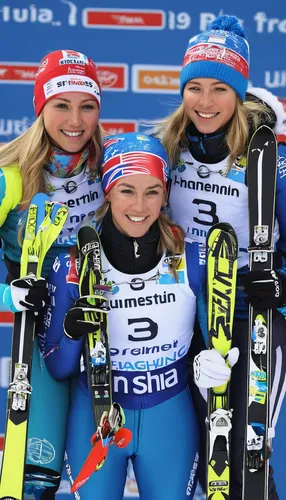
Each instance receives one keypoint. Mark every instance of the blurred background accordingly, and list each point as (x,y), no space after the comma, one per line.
(138,48)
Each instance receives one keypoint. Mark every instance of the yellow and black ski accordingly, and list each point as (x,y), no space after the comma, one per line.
(221,278)
(45,221)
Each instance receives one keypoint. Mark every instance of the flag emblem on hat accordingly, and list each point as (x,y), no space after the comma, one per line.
(217,39)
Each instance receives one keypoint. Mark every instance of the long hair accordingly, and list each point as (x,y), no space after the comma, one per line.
(246,118)
(171,239)
(30,151)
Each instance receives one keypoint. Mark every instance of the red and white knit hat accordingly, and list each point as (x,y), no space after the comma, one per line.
(65,71)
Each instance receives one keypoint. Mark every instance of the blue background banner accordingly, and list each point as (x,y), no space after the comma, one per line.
(138,48)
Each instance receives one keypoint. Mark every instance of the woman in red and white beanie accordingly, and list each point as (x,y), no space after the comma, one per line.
(59,154)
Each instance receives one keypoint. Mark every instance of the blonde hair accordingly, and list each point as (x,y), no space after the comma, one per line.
(171,239)
(30,151)
(247,116)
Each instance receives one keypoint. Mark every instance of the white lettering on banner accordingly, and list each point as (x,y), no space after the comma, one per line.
(275,79)
(269,25)
(4,371)
(207,17)
(179,21)
(33,14)
(147,383)
(10,127)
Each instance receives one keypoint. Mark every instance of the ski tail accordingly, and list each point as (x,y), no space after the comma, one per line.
(40,232)
(222,250)
(98,455)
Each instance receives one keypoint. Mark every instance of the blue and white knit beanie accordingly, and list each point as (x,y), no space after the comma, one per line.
(221,52)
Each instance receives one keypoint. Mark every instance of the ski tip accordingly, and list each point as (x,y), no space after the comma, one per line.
(222,227)
(39,199)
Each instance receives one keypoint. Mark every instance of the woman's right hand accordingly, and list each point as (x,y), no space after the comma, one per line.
(211,369)
(82,318)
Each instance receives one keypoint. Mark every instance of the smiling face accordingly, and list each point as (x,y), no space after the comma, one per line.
(136,201)
(209,103)
(70,119)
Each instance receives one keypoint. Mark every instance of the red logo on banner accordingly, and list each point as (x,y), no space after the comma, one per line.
(113,127)
(135,19)
(156,78)
(18,72)
(6,318)
(113,76)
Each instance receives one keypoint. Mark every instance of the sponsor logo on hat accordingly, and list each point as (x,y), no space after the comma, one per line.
(217,39)
(212,52)
(113,76)
(156,79)
(67,83)
(71,57)
(114,127)
(135,19)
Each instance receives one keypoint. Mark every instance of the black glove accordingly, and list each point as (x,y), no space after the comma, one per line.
(83,317)
(29,293)
(263,289)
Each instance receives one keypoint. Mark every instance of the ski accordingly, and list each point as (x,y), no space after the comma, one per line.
(101,440)
(45,221)
(261,180)
(108,416)
(222,250)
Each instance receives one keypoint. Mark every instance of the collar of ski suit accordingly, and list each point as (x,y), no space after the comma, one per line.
(129,255)
(64,164)
(207,148)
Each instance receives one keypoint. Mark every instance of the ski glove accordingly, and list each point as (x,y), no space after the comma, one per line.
(263,289)
(211,369)
(83,318)
(28,293)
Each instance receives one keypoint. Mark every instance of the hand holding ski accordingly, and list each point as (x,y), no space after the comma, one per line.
(29,293)
(44,223)
(263,288)
(211,369)
(91,315)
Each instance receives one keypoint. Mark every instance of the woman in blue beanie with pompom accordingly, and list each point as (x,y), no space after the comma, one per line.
(207,139)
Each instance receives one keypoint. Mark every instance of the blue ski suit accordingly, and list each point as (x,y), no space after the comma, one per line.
(150,330)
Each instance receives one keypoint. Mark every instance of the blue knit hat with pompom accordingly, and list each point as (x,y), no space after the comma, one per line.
(221,52)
